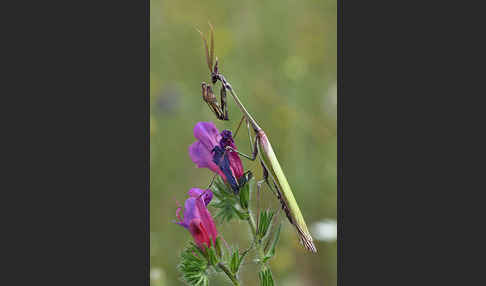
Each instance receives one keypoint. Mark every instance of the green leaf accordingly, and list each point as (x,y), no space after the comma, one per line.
(245,195)
(225,201)
(235,262)
(266,278)
(270,278)
(243,215)
(264,223)
(219,249)
(242,256)
(195,248)
(222,187)
(212,258)
(193,266)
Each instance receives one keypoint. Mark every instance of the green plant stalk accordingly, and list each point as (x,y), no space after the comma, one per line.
(258,242)
(229,274)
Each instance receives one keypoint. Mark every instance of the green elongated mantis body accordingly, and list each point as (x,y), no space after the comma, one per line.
(286,197)
(268,158)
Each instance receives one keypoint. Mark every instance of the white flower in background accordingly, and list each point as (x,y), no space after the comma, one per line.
(155,274)
(325,230)
(329,100)
(157,277)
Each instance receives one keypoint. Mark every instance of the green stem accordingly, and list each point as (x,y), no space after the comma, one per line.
(229,274)
(259,246)
(251,222)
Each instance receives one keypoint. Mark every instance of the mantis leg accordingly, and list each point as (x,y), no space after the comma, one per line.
(224,105)
(276,191)
(253,145)
(238,128)
(265,178)
(208,96)
(236,133)
(252,157)
(212,182)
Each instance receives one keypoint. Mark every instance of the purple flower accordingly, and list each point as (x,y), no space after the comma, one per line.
(210,152)
(197,219)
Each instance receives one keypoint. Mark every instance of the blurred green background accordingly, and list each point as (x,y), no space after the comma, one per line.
(280,57)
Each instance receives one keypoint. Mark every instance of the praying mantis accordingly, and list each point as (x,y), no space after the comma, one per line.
(261,147)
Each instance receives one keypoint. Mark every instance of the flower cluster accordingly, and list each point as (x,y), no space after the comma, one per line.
(212,150)
(197,219)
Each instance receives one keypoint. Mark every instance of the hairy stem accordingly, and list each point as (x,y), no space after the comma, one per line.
(229,274)
(258,242)
(251,222)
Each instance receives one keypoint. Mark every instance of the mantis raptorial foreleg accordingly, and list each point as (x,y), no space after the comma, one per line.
(253,146)
(212,181)
(251,158)
(238,128)
(221,111)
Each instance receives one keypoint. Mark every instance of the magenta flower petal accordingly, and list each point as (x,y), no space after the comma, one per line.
(228,160)
(195,192)
(207,220)
(178,214)
(234,158)
(197,218)
(207,134)
(199,233)
(199,154)
(209,151)
(207,195)
(190,212)
(203,158)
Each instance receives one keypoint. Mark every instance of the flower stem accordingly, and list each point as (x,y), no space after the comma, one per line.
(251,222)
(259,246)
(229,274)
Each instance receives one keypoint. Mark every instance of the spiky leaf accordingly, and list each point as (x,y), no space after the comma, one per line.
(212,257)
(193,267)
(266,278)
(218,248)
(264,223)
(235,262)
(245,195)
(227,203)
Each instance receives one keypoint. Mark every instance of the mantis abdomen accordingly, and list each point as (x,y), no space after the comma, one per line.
(285,195)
